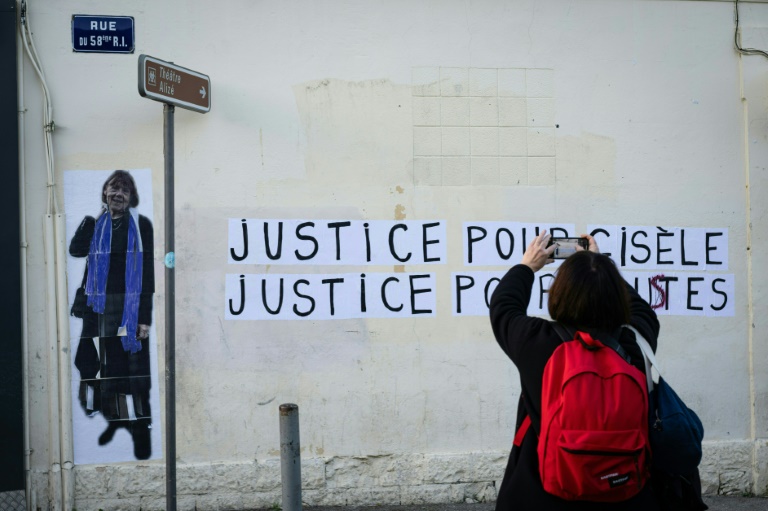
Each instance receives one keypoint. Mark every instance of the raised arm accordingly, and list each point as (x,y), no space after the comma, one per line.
(81,241)
(643,317)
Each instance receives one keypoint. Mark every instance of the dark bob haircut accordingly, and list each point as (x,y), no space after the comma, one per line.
(589,292)
(124,178)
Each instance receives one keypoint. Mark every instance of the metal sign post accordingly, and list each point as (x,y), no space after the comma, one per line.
(174,86)
(170,314)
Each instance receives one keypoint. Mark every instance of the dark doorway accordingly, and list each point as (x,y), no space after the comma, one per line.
(11,404)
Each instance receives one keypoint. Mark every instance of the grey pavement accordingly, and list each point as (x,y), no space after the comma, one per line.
(715,503)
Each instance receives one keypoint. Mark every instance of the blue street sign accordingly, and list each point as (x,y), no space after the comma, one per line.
(103,34)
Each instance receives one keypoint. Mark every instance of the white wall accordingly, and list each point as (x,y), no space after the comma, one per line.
(316,114)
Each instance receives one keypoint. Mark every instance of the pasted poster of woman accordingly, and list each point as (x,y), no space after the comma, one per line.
(114,349)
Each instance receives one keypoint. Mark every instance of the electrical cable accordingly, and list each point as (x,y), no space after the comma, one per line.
(48,124)
(744,51)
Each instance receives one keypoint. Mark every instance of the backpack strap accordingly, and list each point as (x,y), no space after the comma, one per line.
(648,358)
(612,343)
(521,431)
(568,334)
(563,332)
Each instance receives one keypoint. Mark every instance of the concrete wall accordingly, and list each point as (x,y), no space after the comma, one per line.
(647,116)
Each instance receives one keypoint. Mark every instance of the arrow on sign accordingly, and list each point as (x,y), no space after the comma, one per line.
(192,90)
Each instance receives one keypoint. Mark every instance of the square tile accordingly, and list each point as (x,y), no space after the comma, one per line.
(541,171)
(456,171)
(426,141)
(540,83)
(513,171)
(513,112)
(425,81)
(541,112)
(485,170)
(426,111)
(483,111)
(454,81)
(455,141)
(483,82)
(541,141)
(426,171)
(485,141)
(454,111)
(513,141)
(512,82)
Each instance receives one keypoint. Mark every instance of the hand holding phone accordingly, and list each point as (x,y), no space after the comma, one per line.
(565,247)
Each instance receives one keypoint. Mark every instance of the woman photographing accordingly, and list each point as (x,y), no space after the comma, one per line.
(588,295)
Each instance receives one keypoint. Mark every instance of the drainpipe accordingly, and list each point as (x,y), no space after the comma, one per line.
(65,366)
(54,444)
(23,271)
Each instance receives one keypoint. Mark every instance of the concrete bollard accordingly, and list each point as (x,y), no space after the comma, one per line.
(290,457)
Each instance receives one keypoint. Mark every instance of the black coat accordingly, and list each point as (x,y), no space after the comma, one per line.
(81,244)
(529,342)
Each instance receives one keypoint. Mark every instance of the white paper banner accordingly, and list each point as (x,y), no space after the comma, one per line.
(503,243)
(336,242)
(330,296)
(663,248)
(670,293)
(686,293)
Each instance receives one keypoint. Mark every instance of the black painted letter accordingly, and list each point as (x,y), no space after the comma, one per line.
(306,237)
(311,300)
(725,296)
(384,295)
(709,249)
(279,241)
(245,244)
(691,292)
(330,291)
(242,299)
(392,243)
(414,292)
(460,288)
(337,226)
(471,240)
(264,297)
(426,242)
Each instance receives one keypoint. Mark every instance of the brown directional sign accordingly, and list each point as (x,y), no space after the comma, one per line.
(168,83)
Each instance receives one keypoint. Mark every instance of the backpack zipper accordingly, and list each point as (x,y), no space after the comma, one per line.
(634,452)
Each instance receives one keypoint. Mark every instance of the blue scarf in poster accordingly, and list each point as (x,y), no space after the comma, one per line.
(98,272)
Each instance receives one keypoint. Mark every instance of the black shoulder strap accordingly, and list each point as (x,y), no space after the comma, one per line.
(568,334)
(613,343)
(564,332)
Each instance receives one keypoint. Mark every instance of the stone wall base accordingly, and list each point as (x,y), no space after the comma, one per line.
(728,468)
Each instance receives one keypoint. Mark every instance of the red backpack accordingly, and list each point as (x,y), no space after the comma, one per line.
(594,443)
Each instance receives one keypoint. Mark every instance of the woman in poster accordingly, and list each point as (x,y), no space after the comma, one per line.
(117,293)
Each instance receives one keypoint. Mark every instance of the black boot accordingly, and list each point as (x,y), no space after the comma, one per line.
(141,430)
(109,433)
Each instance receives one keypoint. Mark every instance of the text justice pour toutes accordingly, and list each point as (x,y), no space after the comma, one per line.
(679,270)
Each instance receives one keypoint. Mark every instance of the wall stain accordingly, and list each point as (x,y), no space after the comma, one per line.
(261,147)
(399,215)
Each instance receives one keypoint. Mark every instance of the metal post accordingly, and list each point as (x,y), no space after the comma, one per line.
(170,316)
(290,457)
